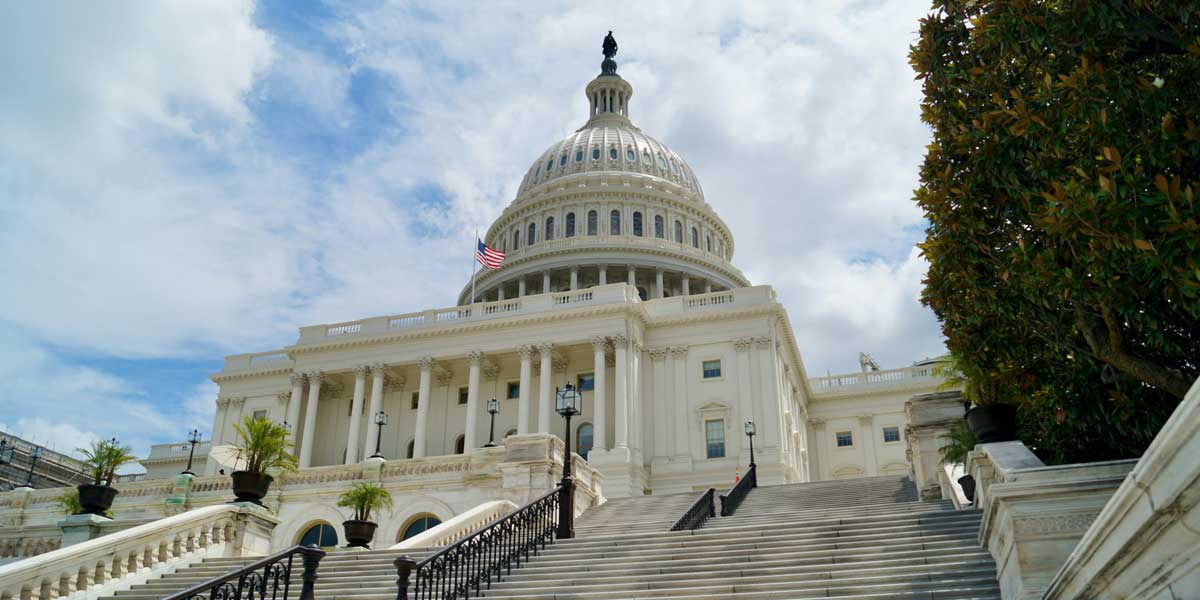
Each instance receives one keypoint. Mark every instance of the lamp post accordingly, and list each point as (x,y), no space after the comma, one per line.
(568,405)
(34,454)
(193,439)
(750,434)
(493,407)
(380,420)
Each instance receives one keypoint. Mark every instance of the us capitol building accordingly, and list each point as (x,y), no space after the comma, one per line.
(618,279)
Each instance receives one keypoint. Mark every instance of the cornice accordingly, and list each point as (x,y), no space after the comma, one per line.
(250,373)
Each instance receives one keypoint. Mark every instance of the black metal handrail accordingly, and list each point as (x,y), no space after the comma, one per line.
(268,578)
(703,509)
(472,563)
(731,500)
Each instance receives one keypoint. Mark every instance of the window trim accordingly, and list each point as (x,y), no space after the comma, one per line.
(509,387)
(836,442)
(724,439)
(899,434)
(463,395)
(720,367)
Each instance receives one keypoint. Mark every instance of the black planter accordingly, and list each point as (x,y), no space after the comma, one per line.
(249,486)
(968,486)
(96,499)
(359,533)
(993,423)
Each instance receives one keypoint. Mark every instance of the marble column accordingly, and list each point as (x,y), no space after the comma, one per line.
(603,275)
(687,284)
(662,409)
(526,353)
(545,401)
(546,282)
(574,278)
(521,287)
(746,403)
(378,373)
(293,409)
(422,407)
(500,292)
(631,276)
(683,421)
(707,287)
(356,405)
(658,283)
(621,398)
(310,419)
(816,448)
(222,416)
(599,399)
(867,437)
(475,357)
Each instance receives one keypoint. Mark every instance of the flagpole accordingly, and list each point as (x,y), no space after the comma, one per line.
(474,264)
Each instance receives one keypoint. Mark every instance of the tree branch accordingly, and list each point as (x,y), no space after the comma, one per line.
(1104,340)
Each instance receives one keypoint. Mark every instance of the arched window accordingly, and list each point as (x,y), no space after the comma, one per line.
(516,239)
(321,535)
(570,225)
(612,153)
(678,232)
(459,444)
(695,238)
(503,244)
(637,224)
(583,445)
(708,240)
(532,237)
(592,222)
(614,223)
(549,228)
(417,525)
(658,226)
(595,154)
(412,444)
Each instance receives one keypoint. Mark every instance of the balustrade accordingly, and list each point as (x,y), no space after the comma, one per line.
(733,499)
(700,512)
(267,579)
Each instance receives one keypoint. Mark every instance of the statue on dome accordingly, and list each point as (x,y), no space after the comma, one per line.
(609,66)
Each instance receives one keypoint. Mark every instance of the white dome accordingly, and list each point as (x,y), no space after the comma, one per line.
(609,143)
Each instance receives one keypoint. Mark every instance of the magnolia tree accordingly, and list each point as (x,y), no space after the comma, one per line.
(1061,191)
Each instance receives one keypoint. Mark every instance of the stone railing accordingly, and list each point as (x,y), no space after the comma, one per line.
(948,477)
(1034,515)
(102,565)
(759,295)
(925,374)
(459,527)
(1143,544)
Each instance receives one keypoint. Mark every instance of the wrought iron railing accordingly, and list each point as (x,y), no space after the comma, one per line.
(703,509)
(731,500)
(469,566)
(268,578)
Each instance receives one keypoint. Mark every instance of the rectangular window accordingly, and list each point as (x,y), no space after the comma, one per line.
(891,434)
(711,368)
(462,395)
(514,390)
(260,414)
(714,438)
(845,439)
(415,402)
(586,382)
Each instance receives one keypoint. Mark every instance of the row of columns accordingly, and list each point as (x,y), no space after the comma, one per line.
(630,279)
(545,409)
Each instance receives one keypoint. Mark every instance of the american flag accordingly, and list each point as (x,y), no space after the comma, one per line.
(488,257)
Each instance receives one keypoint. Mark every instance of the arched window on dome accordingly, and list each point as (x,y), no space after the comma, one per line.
(614,223)
(708,240)
(532,237)
(630,154)
(503,244)
(593,222)
(516,239)
(549,228)
(612,153)
(595,153)
(637,224)
(579,155)
(695,238)
(570,232)
(678,232)
(658,226)
(646,156)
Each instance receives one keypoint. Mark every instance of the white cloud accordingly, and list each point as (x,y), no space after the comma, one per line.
(143,216)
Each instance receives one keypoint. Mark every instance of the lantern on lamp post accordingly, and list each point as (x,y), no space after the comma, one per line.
(568,404)
(750,434)
(493,407)
(381,419)
(193,439)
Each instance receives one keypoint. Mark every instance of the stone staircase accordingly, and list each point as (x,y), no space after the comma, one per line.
(865,538)
(855,539)
(365,575)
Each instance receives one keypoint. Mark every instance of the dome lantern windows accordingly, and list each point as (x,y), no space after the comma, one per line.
(614,223)
(562,161)
(662,162)
(646,157)
(630,155)
(637,224)
(549,165)
(595,154)
(612,153)
(579,156)
(592,222)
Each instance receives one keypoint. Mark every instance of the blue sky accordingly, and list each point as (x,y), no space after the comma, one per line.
(180,181)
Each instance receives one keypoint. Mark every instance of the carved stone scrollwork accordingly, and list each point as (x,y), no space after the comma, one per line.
(426,362)
(361,370)
(743,344)
(544,349)
(222,403)
(817,423)
(679,352)
(559,363)
(316,377)
(763,342)
(491,370)
(445,377)
(395,383)
(620,341)
(599,343)
(526,351)
(298,378)
(283,397)
(476,357)
(1053,524)
(238,402)
(658,353)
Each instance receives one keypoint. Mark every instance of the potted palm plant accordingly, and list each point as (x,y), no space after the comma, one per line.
(959,441)
(101,462)
(365,499)
(265,448)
